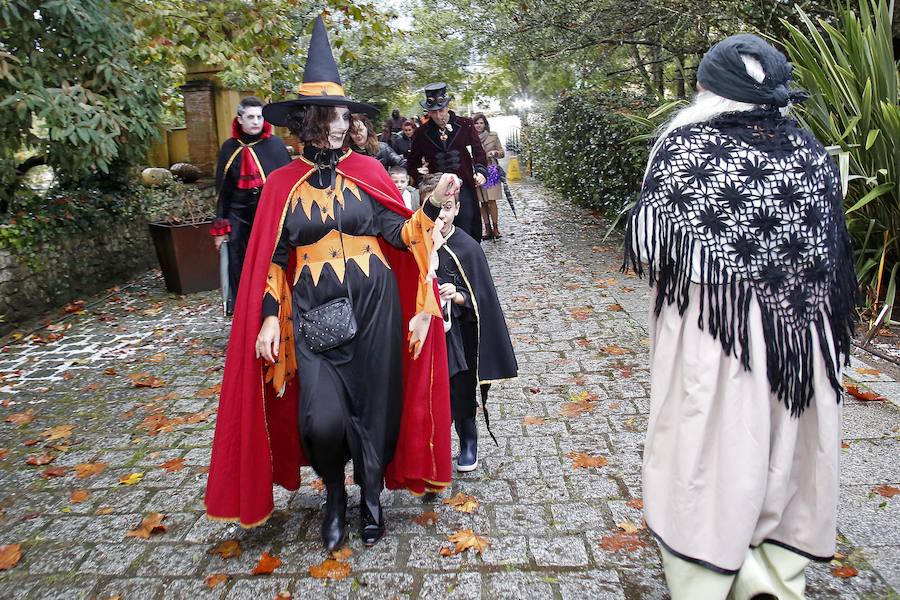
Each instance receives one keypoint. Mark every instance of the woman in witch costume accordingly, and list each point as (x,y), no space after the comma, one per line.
(335,250)
(740,228)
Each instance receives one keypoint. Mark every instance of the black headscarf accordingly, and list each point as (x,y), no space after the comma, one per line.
(722,71)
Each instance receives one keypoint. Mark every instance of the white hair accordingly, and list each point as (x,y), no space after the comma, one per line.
(708,105)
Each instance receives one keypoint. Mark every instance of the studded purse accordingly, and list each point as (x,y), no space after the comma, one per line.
(332,324)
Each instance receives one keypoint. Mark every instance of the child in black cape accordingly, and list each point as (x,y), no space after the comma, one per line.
(479,351)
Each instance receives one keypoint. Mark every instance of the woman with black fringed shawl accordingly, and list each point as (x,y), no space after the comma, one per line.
(740,230)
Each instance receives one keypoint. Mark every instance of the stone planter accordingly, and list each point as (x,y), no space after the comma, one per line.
(187,257)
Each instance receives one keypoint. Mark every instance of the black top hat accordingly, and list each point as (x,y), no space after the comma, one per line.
(436,96)
(321,82)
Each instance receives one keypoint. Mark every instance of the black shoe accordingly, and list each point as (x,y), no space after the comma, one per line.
(429,497)
(371,528)
(467,431)
(334,525)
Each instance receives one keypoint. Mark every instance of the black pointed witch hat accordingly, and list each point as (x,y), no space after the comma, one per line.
(321,82)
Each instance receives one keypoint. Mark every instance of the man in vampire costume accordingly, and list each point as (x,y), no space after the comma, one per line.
(332,230)
(245,161)
(479,351)
(448,143)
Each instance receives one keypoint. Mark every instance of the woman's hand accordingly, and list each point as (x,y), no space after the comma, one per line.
(447,291)
(268,339)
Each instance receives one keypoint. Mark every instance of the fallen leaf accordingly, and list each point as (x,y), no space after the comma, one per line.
(429,517)
(845,571)
(31,442)
(584,342)
(22,418)
(888,491)
(227,549)
(93,387)
(55,472)
(79,496)
(110,371)
(3,452)
(529,420)
(267,563)
(105,510)
(627,289)
(159,357)
(85,470)
(10,555)
(636,503)
(59,432)
(839,556)
(581,314)
(210,392)
(76,306)
(616,307)
(146,380)
(582,460)
(614,350)
(166,397)
(844,444)
(624,371)
(151,524)
(534,390)
(463,503)
(342,554)
(68,376)
(173,466)
(621,541)
(330,569)
(318,485)
(864,395)
(579,404)
(40,459)
(446,551)
(868,371)
(628,527)
(283,595)
(213,580)
(131,478)
(466,539)
(615,406)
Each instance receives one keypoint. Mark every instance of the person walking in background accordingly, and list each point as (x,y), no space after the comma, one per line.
(491,191)
(449,143)
(392,127)
(366,142)
(246,159)
(740,229)
(402,142)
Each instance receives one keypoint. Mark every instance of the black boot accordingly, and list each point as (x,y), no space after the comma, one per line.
(467,431)
(371,527)
(334,525)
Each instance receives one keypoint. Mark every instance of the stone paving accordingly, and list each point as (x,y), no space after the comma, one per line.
(139,360)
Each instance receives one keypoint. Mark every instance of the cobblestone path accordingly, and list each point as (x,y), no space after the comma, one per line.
(128,385)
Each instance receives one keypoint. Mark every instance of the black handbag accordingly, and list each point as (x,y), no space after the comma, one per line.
(331,324)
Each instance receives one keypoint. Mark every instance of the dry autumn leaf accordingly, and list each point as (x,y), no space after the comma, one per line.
(227,549)
(628,527)
(283,595)
(131,478)
(58,433)
(614,350)
(3,452)
(55,472)
(110,371)
(22,418)
(152,524)
(266,565)
(210,392)
(105,510)
(581,314)
(342,554)
(79,496)
(582,460)
(213,580)
(318,485)
(463,503)
(636,503)
(429,517)
(85,470)
(864,395)
(31,442)
(845,571)
(10,555)
(330,569)
(621,541)
(173,466)
(616,307)
(529,420)
(888,491)
(868,371)
(159,357)
(146,380)
(37,460)
(166,397)
(466,539)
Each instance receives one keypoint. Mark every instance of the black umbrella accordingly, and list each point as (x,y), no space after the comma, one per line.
(507,191)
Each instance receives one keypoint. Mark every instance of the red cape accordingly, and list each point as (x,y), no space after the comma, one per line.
(257,442)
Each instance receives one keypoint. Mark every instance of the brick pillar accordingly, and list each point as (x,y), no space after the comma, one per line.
(200,119)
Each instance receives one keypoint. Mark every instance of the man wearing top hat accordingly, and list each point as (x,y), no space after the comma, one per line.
(448,143)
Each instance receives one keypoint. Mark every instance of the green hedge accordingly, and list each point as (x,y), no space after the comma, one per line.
(580,150)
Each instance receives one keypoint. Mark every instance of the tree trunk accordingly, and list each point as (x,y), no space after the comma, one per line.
(659,80)
(642,71)
(679,75)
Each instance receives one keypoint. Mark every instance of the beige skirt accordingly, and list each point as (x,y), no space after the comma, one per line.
(726,467)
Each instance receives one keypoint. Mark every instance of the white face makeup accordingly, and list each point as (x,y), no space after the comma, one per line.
(337,128)
(251,121)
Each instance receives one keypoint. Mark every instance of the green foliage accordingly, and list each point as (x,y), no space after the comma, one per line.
(71,91)
(579,150)
(852,77)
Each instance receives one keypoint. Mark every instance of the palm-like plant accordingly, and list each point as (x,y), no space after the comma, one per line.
(852,78)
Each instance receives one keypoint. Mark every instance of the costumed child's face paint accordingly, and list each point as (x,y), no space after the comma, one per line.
(359,134)
(251,121)
(337,128)
(449,210)
(400,180)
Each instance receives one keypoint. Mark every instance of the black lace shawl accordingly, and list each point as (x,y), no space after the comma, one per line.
(755,201)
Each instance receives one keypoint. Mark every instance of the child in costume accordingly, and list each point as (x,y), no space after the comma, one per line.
(479,351)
